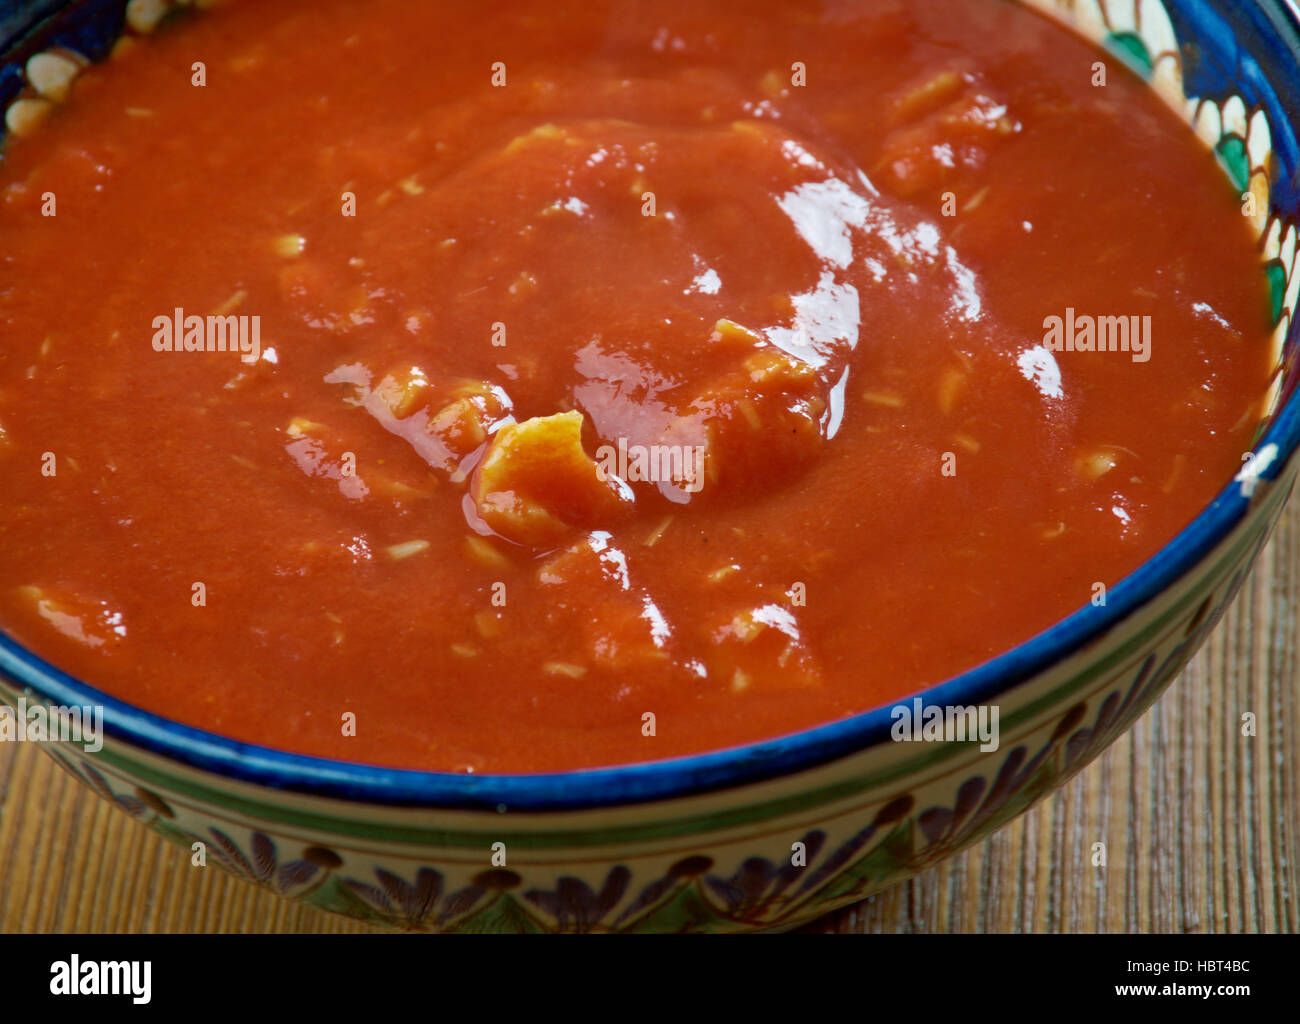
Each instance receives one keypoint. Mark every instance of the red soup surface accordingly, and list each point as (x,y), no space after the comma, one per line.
(599,360)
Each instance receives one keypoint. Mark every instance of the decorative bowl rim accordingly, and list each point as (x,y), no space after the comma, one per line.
(697,774)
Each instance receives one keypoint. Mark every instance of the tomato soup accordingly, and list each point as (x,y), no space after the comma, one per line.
(524,387)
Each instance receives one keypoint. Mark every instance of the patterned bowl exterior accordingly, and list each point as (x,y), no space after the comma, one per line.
(767,836)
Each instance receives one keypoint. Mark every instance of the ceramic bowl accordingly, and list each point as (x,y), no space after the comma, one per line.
(768,835)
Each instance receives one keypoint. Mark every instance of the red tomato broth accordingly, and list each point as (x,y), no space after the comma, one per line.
(182,467)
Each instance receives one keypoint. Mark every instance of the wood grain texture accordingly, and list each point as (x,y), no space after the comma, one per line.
(1200,823)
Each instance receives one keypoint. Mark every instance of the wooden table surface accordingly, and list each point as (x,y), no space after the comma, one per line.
(1200,823)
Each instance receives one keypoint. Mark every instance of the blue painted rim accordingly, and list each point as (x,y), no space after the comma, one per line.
(1247,48)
